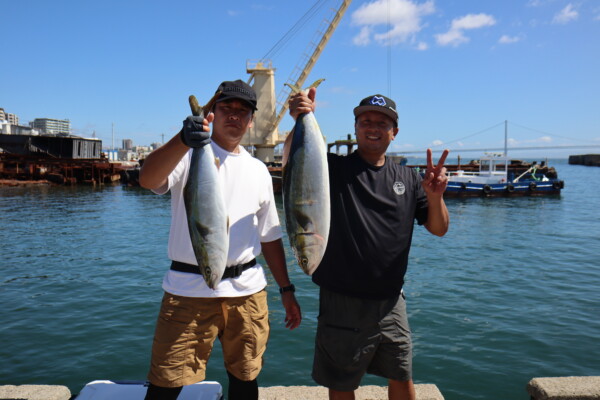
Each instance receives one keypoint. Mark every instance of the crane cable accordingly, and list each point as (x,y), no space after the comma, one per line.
(281,43)
(547,133)
(468,136)
(389,50)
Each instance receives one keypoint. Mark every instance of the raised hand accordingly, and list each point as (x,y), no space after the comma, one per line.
(435,179)
(302,102)
(196,131)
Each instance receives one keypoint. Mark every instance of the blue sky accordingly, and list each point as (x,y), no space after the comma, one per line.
(457,69)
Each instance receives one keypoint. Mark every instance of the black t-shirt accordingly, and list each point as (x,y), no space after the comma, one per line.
(373,210)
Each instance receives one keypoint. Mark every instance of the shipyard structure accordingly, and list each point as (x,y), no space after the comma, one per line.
(46,152)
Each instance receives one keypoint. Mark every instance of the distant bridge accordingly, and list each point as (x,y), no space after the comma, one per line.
(501,149)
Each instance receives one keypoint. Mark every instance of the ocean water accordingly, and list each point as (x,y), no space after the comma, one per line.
(509,294)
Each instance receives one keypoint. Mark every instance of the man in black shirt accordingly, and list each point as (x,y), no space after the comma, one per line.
(362,325)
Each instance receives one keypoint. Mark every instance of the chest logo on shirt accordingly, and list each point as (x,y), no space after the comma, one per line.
(399,188)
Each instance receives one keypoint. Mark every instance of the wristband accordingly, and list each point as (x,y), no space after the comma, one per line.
(290,288)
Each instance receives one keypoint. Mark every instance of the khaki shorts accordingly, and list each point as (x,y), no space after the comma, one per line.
(357,336)
(187,328)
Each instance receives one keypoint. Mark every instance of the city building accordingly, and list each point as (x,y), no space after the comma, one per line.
(12,119)
(52,126)
(112,154)
(6,128)
(127,144)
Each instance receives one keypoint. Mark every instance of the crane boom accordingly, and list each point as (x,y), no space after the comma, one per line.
(263,136)
(312,59)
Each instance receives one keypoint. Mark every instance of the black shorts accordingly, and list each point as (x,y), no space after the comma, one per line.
(357,336)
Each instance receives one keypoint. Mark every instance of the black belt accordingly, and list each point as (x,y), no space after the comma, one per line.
(230,272)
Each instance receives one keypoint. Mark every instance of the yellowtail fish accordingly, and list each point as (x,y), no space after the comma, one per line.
(205,208)
(306,192)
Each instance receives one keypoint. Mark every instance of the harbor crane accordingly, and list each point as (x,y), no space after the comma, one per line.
(264,135)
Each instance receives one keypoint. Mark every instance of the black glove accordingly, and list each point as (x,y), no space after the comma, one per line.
(193,134)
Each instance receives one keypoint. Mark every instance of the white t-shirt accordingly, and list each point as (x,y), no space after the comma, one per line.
(248,194)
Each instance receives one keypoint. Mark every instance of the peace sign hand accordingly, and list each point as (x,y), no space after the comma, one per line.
(435,180)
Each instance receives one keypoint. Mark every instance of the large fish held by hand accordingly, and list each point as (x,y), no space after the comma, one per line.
(306,192)
(205,208)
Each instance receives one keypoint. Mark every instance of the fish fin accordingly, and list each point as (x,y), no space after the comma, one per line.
(316,83)
(196,109)
(212,101)
(304,221)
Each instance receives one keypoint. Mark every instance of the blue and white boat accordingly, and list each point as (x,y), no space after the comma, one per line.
(495,178)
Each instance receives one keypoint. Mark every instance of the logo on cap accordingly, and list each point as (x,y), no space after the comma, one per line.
(378,101)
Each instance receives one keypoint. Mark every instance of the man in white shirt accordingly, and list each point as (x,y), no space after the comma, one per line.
(192,314)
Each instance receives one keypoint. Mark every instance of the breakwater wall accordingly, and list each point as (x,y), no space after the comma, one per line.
(585,159)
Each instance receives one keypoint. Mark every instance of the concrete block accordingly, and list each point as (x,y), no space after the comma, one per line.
(565,388)
(35,392)
(424,392)
(585,159)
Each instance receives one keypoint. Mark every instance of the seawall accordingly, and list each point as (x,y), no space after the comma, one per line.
(585,159)
(555,388)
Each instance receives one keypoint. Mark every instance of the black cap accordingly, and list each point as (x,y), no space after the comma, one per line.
(379,103)
(237,90)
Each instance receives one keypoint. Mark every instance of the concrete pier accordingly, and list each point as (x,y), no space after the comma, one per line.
(35,392)
(52,392)
(424,392)
(565,388)
(559,388)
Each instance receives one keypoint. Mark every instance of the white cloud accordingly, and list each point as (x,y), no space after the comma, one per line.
(451,37)
(422,46)
(401,19)
(364,37)
(437,143)
(505,39)
(566,15)
(473,21)
(233,13)
(541,139)
(534,3)
(398,146)
(455,36)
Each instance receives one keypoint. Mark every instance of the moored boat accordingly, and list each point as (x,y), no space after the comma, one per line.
(495,178)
